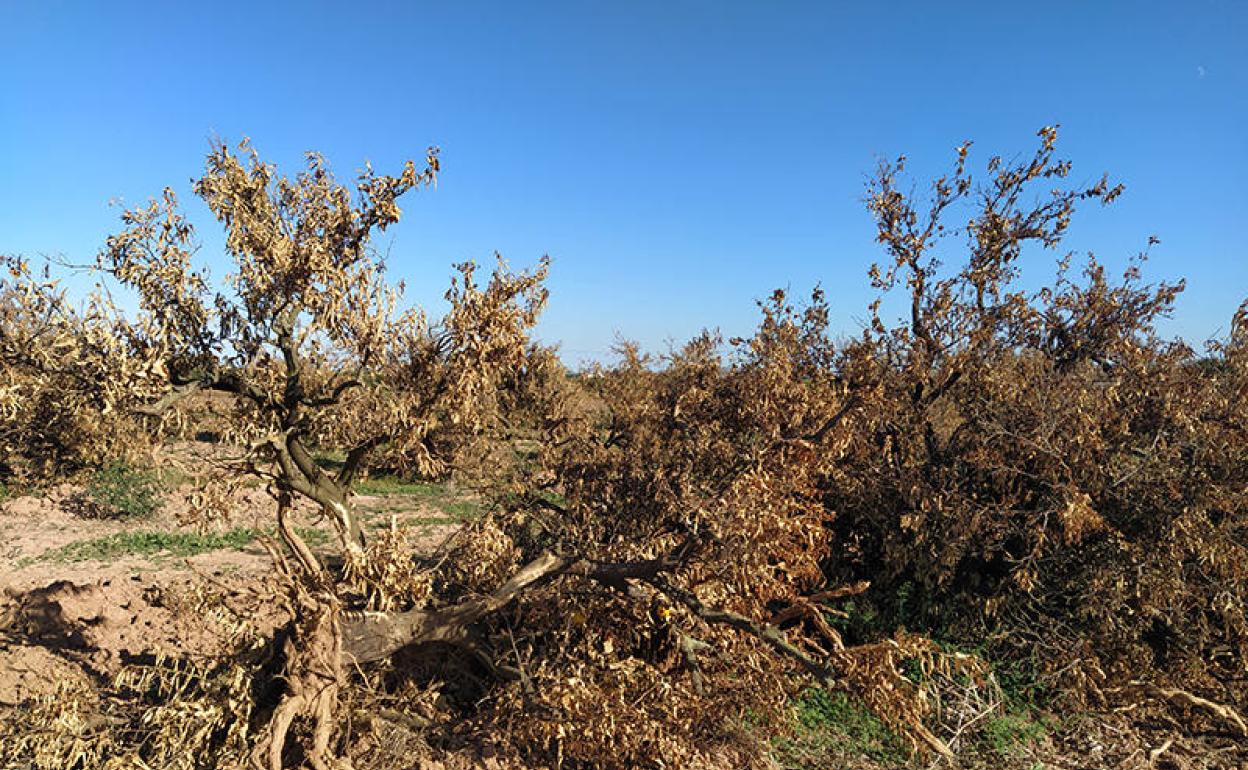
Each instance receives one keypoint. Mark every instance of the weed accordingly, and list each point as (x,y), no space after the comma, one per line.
(861,620)
(1005,735)
(149,543)
(1022,722)
(834,720)
(392,485)
(120,491)
(1021,685)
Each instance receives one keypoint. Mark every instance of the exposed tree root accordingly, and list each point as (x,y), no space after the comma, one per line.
(314,669)
(314,674)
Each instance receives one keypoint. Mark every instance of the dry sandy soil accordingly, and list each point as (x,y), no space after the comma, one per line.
(71,622)
(72,618)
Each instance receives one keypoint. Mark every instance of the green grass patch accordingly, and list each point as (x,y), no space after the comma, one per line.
(399,496)
(439,494)
(1008,734)
(433,521)
(463,510)
(173,477)
(386,486)
(121,491)
(541,497)
(149,543)
(452,511)
(832,722)
(554,498)
(330,461)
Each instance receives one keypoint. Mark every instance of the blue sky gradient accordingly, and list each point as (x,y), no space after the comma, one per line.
(677,160)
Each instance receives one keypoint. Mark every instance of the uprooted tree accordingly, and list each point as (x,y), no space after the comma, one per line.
(306,321)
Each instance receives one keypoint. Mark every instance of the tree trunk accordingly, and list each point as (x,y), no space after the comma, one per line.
(370,636)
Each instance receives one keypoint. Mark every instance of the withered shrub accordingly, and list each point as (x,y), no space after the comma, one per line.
(528,385)
(653,584)
(1043,467)
(1037,475)
(69,379)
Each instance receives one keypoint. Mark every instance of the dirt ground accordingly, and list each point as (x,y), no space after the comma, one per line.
(82,618)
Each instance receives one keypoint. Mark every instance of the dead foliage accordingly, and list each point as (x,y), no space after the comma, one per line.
(1041,468)
(69,380)
(677,542)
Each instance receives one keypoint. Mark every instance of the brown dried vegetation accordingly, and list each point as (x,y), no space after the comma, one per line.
(675,542)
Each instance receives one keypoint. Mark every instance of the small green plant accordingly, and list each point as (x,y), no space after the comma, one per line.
(462,510)
(1022,720)
(835,720)
(149,543)
(1007,734)
(860,621)
(120,491)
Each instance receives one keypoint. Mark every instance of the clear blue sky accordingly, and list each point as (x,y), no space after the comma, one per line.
(676,159)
